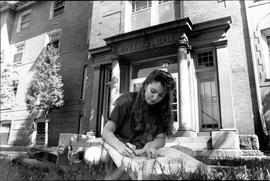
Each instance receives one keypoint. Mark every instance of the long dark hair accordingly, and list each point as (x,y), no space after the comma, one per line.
(140,108)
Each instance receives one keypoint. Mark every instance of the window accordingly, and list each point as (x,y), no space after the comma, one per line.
(58,8)
(41,129)
(15,86)
(142,14)
(19,54)
(54,38)
(24,20)
(163,1)
(139,5)
(208,91)
(205,60)
(4,132)
(15,82)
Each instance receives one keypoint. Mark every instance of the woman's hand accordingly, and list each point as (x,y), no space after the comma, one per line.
(148,150)
(116,142)
(126,149)
(149,153)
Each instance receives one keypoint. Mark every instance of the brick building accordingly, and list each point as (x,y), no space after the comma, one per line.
(26,28)
(206,47)
(258,14)
(204,44)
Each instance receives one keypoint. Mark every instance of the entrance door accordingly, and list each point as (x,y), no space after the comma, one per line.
(41,130)
(208,91)
(209,106)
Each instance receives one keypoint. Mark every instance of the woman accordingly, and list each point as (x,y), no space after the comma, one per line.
(140,120)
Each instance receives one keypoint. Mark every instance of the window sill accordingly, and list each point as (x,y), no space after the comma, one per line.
(169,2)
(149,8)
(258,3)
(56,17)
(23,29)
(17,63)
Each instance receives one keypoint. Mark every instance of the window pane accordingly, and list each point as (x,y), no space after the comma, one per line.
(139,5)
(58,8)
(24,25)
(209,106)
(58,4)
(5,128)
(205,59)
(58,12)
(20,49)
(25,17)
(55,39)
(164,1)
(15,86)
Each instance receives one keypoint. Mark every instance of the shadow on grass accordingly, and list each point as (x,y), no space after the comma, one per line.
(16,170)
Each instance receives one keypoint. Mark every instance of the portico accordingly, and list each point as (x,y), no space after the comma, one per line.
(202,103)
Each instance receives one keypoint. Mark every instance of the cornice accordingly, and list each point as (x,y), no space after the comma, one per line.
(15,5)
(184,23)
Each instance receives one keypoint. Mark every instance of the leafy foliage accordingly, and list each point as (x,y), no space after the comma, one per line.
(46,89)
(7,94)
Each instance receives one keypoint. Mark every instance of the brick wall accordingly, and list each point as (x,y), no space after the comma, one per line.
(73,57)
(242,76)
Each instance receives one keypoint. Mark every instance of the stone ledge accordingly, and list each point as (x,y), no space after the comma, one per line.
(252,153)
(249,142)
(218,153)
(78,140)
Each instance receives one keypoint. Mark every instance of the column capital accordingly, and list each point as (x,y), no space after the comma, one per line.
(183,42)
(115,57)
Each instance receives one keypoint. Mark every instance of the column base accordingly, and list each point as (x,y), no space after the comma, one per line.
(185,132)
(225,139)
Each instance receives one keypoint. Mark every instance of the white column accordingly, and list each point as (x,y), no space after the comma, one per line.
(115,82)
(184,90)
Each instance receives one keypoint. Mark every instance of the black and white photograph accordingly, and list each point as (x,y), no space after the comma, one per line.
(135,90)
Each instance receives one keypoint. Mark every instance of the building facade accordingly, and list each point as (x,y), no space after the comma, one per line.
(258,13)
(206,47)
(212,48)
(26,28)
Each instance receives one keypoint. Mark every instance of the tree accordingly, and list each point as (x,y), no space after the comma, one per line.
(46,89)
(7,93)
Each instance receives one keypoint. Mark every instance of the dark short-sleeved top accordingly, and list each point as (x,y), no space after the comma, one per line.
(121,116)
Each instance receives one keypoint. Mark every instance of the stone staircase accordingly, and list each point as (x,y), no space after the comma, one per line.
(193,143)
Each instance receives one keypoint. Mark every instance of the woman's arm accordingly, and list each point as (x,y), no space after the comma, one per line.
(150,148)
(109,137)
(158,142)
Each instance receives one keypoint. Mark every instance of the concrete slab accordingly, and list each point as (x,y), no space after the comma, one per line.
(225,139)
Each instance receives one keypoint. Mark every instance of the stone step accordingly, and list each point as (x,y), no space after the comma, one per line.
(194,143)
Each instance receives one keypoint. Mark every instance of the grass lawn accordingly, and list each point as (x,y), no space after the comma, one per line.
(15,170)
